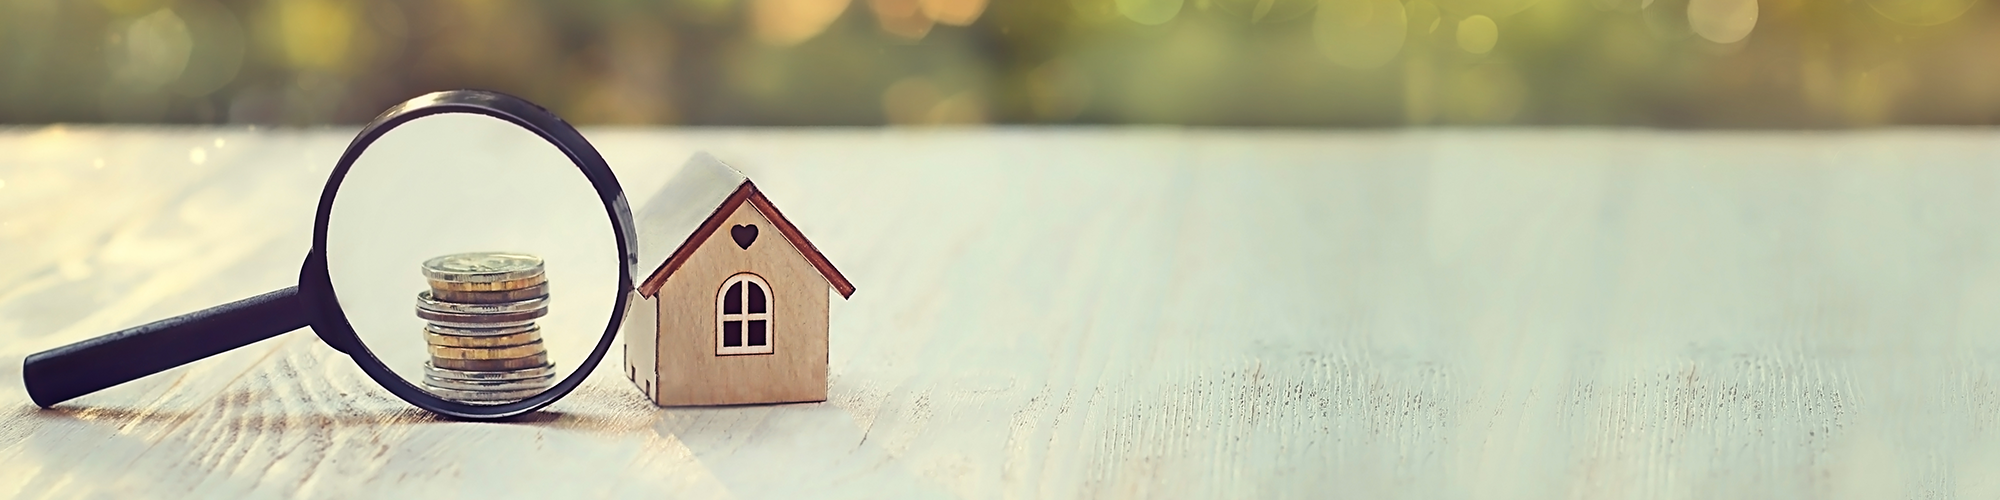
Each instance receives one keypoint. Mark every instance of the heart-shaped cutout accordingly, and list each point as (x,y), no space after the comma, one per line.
(744,234)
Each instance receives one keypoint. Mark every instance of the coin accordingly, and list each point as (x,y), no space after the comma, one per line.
(537,290)
(485,353)
(523,338)
(485,330)
(485,286)
(475,326)
(481,396)
(491,365)
(482,267)
(491,385)
(424,301)
(481,336)
(459,319)
(545,370)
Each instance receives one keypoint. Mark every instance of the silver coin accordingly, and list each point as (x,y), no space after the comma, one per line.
(542,383)
(460,319)
(483,330)
(424,301)
(545,370)
(473,326)
(483,267)
(464,396)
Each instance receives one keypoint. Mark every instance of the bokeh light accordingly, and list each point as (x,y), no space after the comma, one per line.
(152,50)
(1149,11)
(903,18)
(1722,21)
(1670,63)
(953,12)
(1265,11)
(1477,34)
(1921,12)
(1360,34)
(788,22)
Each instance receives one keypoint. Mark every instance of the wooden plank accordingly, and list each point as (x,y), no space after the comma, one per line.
(1116,313)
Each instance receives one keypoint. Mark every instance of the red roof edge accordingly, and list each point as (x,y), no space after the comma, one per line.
(800,242)
(746,192)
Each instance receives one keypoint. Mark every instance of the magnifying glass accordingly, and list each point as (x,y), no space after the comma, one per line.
(457,257)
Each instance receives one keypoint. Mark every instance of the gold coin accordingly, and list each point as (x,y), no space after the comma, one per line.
(516,295)
(528,349)
(510,340)
(490,286)
(492,365)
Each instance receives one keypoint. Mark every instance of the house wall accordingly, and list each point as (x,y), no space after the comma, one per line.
(641,345)
(689,371)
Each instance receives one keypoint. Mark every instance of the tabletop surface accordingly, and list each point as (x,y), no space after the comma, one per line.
(1088,313)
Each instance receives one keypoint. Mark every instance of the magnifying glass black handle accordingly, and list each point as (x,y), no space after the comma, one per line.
(63,373)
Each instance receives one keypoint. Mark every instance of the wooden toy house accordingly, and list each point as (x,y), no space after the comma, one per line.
(735,309)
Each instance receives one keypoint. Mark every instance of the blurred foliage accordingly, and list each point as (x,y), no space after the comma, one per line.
(1675,63)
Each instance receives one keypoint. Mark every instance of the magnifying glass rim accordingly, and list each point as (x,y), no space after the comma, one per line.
(330,322)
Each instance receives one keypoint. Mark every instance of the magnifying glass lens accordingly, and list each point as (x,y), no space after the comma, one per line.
(471,259)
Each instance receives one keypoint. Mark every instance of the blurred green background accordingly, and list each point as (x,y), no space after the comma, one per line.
(1666,63)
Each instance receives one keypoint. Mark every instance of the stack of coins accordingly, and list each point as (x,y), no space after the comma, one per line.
(485,346)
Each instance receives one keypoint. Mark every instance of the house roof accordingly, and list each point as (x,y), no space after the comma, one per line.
(693,205)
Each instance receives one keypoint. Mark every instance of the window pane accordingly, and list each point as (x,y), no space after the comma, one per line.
(732,334)
(756,298)
(732,302)
(757,333)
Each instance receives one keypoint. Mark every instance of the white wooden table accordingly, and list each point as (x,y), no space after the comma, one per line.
(1146,313)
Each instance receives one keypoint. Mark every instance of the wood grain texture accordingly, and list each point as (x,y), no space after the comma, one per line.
(690,372)
(1155,313)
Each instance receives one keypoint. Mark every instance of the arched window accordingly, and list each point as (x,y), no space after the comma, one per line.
(743,316)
